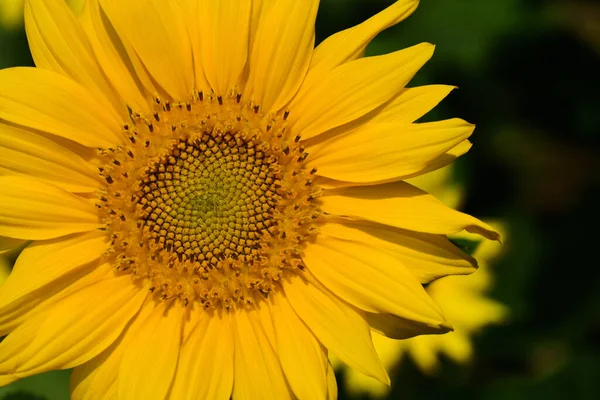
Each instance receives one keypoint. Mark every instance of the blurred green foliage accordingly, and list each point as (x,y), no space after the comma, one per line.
(527,72)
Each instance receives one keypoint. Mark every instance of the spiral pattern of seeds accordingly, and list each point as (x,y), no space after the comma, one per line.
(209,202)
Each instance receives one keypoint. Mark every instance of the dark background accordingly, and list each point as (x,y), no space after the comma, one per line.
(528,73)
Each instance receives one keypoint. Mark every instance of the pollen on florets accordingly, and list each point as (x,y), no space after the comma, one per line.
(210,201)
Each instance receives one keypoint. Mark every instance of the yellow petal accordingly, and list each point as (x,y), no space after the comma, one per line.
(223,53)
(281,52)
(192,317)
(303,358)
(205,369)
(31,209)
(8,245)
(4,269)
(156,31)
(49,102)
(428,257)
(59,43)
(191,21)
(25,152)
(351,43)
(44,268)
(97,379)
(412,103)
(112,57)
(258,373)
(371,279)
(396,327)
(385,151)
(51,295)
(403,206)
(337,325)
(434,166)
(72,331)
(488,250)
(150,359)
(354,89)
(332,390)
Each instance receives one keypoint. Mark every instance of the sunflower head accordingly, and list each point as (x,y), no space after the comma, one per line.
(210,205)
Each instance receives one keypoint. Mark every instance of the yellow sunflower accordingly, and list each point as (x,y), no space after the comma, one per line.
(11,11)
(214,204)
(463,299)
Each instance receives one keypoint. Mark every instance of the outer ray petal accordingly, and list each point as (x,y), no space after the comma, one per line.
(351,43)
(439,162)
(384,151)
(223,53)
(402,205)
(428,257)
(396,327)
(412,103)
(112,57)
(258,373)
(51,295)
(205,369)
(157,34)
(277,66)
(46,267)
(72,331)
(47,101)
(372,280)
(150,359)
(191,318)
(303,358)
(25,152)
(97,379)
(332,390)
(59,43)
(9,244)
(31,209)
(190,10)
(354,89)
(337,325)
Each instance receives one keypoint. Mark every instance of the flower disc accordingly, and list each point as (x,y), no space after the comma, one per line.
(208,202)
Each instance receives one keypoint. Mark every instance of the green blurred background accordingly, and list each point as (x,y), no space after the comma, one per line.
(528,73)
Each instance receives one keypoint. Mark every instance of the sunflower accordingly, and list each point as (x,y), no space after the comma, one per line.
(214,205)
(453,293)
(11,12)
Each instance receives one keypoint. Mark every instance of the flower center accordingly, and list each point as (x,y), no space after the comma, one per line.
(209,202)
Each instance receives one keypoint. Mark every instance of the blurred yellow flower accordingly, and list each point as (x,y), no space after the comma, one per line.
(463,299)
(11,11)
(439,183)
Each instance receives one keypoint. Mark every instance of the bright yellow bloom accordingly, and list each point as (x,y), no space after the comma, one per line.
(11,11)
(215,204)
(464,301)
